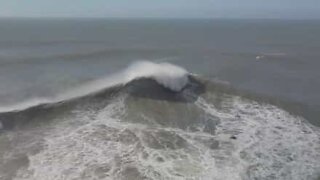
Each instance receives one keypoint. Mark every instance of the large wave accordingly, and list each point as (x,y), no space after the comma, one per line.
(168,75)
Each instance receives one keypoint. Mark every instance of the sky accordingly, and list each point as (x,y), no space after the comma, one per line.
(269,9)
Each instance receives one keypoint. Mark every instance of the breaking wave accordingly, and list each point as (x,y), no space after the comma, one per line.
(157,121)
(168,75)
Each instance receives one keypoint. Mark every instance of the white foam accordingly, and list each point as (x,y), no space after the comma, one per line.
(76,152)
(270,144)
(168,75)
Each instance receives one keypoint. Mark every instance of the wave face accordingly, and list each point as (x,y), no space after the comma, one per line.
(157,122)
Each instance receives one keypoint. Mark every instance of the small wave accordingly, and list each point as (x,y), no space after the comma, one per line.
(271,55)
(168,75)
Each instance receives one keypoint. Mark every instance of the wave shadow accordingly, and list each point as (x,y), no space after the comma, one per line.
(149,89)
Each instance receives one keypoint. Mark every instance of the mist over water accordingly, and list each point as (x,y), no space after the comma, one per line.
(159,99)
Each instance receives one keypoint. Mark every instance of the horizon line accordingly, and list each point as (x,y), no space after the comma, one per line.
(151,18)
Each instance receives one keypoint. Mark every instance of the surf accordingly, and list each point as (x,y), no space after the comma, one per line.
(161,122)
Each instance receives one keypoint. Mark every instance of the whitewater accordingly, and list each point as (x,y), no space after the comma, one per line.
(156,121)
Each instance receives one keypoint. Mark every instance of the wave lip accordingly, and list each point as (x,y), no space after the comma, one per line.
(168,75)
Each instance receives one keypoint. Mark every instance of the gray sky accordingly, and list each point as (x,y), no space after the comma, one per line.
(292,9)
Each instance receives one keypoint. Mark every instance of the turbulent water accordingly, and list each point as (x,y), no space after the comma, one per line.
(111,115)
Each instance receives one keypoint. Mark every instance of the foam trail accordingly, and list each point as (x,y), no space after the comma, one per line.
(168,75)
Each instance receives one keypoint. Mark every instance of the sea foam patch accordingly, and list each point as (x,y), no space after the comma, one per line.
(265,141)
(251,141)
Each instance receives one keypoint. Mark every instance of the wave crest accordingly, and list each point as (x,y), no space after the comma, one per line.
(170,76)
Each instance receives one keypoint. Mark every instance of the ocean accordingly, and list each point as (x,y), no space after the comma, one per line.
(159,99)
